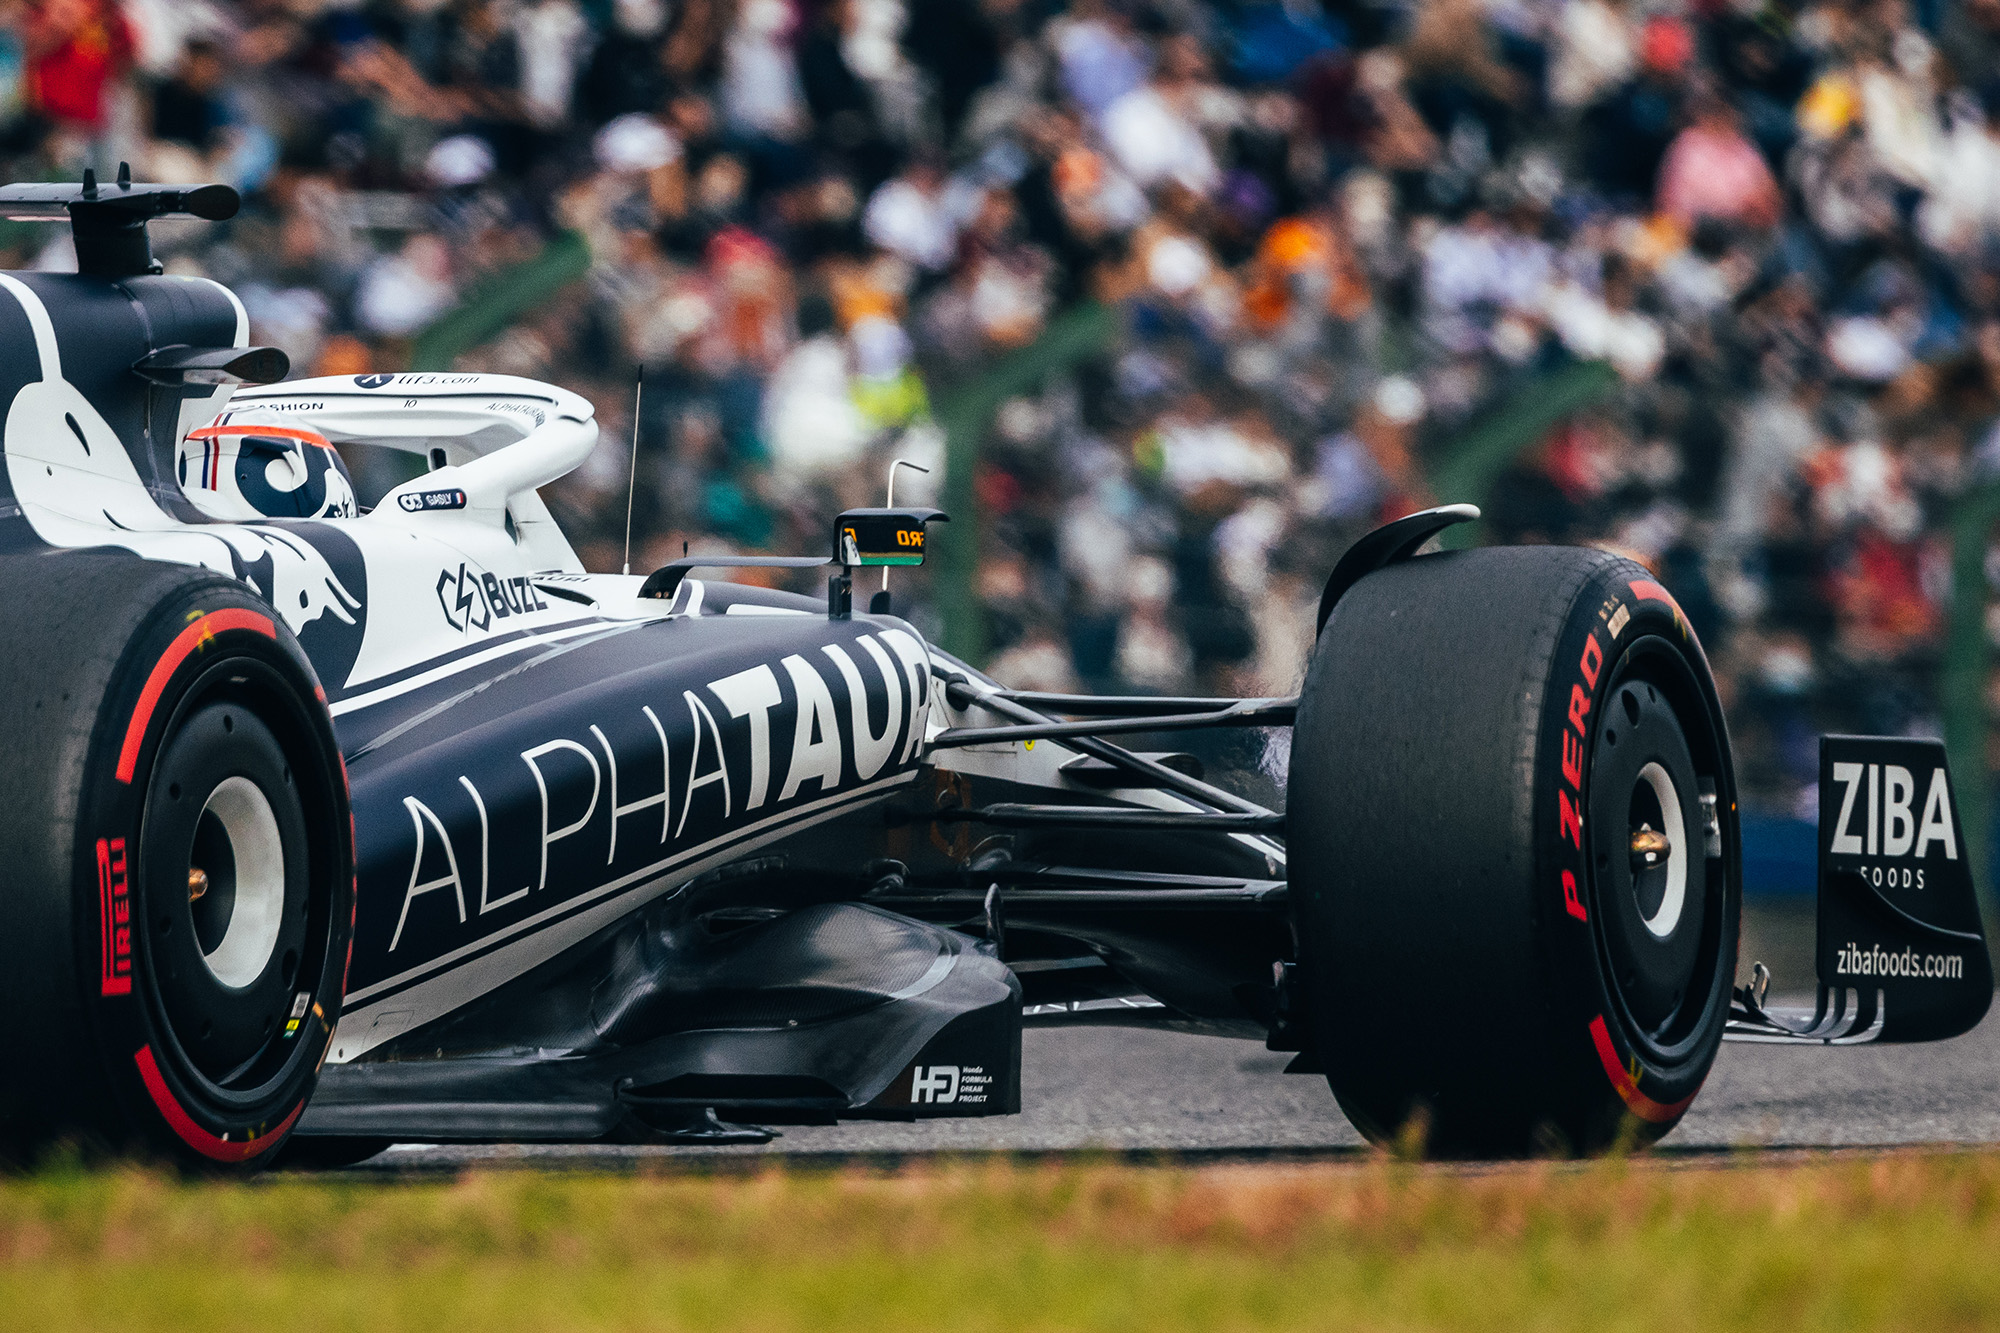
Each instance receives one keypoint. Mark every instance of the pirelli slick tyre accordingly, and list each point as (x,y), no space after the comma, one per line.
(1513,854)
(179,864)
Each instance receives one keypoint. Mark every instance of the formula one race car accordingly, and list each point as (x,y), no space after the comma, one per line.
(323,829)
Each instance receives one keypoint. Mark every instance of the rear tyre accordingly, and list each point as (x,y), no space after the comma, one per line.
(1513,854)
(174,816)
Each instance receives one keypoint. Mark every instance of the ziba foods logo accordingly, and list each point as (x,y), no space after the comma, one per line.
(1872,960)
(1884,797)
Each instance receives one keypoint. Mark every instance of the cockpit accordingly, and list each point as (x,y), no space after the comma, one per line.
(487,441)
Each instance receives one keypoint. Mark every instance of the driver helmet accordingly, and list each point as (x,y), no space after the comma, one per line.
(252,464)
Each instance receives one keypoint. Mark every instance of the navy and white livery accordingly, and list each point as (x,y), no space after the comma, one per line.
(329,828)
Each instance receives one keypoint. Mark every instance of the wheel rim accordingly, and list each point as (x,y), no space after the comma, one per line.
(236,882)
(1656,800)
(1660,886)
(226,868)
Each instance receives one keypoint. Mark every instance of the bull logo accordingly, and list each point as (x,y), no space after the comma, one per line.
(293,576)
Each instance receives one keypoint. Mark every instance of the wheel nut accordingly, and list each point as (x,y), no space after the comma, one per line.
(197,882)
(1649,847)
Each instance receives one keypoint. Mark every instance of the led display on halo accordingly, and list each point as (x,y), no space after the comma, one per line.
(865,538)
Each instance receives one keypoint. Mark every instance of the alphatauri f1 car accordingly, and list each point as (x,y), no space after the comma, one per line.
(324,829)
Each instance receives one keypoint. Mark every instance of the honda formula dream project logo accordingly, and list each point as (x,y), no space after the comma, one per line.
(944,1085)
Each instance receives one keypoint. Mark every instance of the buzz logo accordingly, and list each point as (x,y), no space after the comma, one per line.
(933,1083)
(480,599)
(1890,822)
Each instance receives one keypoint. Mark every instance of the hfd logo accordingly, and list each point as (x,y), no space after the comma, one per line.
(1890,825)
(934,1083)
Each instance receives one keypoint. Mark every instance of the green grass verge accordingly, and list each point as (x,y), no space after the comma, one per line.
(1907,1241)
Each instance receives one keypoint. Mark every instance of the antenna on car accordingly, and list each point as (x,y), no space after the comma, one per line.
(914,467)
(632,475)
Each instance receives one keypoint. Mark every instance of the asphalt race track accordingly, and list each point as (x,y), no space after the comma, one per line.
(1134,1090)
(1138,1091)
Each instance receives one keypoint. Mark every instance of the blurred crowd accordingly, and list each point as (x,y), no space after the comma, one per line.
(1341,244)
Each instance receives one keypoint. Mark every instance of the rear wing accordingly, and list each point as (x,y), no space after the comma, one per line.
(108,222)
(1901,951)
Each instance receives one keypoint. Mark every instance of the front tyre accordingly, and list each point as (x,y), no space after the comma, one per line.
(181,883)
(1514,858)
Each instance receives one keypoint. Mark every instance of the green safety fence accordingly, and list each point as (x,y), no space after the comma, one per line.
(1968,657)
(965,413)
(503,299)
(1465,473)
(1467,467)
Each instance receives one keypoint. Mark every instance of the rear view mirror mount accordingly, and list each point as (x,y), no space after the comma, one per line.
(875,539)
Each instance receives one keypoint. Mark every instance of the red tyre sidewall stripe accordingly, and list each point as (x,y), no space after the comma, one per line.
(195,636)
(1637,1102)
(192,1134)
(1645,590)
